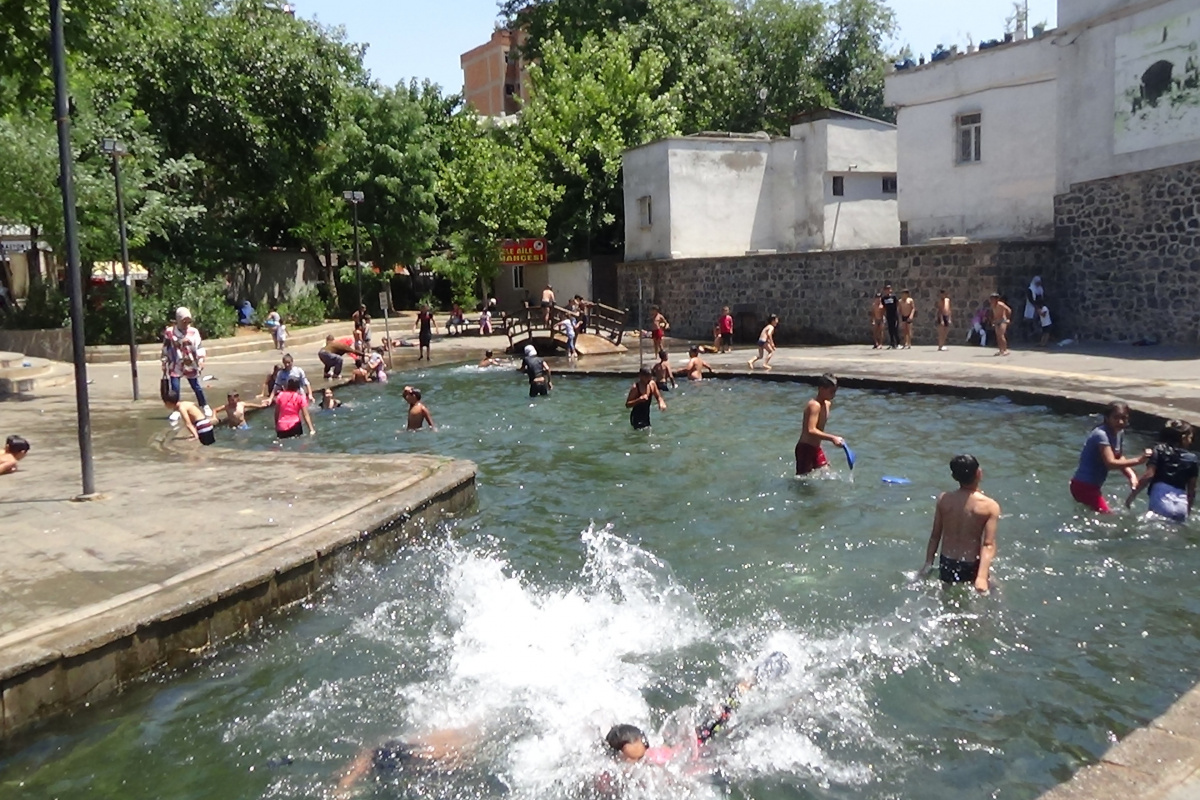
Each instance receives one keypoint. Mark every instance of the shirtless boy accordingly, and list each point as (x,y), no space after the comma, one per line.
(943,318)
(418,414)
(809,455)
(198,424)
(15,449)
(235,410)
(696,365)
(547,304)
(641,394)
(908,312)
(766,344)
(1001,316)
(662,373)
(658,327)
(876,317)
(964,526)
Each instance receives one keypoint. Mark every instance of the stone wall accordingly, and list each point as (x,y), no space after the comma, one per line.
(1129,248)
(824,297)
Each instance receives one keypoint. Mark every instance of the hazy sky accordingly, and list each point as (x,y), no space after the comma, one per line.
(424,39)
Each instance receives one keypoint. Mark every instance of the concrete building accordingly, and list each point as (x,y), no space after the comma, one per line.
(977,144)
(829,185)
(495,80)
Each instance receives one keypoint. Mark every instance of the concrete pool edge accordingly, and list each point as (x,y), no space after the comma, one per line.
(59,665)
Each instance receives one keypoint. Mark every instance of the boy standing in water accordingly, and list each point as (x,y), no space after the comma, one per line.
(964,527)
(696,365)
(943,318)
(663,375)
(418,414)
(640,396)
(809,456)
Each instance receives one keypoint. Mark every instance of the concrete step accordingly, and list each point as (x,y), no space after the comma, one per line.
(8,359)
(41,374)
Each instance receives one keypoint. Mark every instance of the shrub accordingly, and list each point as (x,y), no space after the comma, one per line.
(45,307)
(303,307)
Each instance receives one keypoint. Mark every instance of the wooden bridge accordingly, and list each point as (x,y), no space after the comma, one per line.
(606,328)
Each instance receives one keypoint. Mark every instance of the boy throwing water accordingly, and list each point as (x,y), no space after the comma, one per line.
(964,527)
(809,455)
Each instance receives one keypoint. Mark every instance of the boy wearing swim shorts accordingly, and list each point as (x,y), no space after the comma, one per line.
(943,318)
(964,528)
(809,456)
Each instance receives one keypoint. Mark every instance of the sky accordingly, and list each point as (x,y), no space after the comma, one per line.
(423,39)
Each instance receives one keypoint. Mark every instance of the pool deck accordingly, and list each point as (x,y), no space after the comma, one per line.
(187,546)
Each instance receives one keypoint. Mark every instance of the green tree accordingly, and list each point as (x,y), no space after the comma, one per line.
(493,189)
(854,60)
(589,105)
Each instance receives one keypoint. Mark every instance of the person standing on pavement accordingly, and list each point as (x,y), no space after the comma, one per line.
(891,310)
(183,356)
(427,327)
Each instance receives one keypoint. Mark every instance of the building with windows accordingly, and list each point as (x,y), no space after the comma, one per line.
(495,81)
(829,185)
(977,144)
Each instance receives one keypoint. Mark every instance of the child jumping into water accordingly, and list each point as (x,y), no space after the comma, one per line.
(766,344)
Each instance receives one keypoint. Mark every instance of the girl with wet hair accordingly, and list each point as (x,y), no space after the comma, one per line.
(1170,473)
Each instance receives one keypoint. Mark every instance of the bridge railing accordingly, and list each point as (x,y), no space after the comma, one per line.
(603,321)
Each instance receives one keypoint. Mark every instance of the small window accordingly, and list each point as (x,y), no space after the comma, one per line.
(509,89)
(970,138)
(518,276)
(839,186)
(645,212)
(889,184)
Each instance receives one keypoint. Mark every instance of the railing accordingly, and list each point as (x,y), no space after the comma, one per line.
(604,321)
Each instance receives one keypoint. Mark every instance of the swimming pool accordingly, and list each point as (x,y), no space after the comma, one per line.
(610,575)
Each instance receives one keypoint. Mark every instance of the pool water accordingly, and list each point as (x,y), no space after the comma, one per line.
(614,576)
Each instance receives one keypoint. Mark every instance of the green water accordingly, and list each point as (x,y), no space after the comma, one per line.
(610,575)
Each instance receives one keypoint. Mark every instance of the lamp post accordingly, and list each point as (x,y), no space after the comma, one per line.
(66,180)
(354,198)
(116,149)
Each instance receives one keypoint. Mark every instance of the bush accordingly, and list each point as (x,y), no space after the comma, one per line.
(46,307)
(304,307)
(154,304)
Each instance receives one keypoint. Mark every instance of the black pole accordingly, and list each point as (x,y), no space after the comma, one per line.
(357,262)
(125,262)
(66,181)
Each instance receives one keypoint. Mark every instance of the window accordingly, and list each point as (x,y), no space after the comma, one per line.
(510,89)
(970,130)
(645,212)
(889,184)
(518,276)
(839,186)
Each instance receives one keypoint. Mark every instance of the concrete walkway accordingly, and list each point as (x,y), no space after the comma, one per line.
(176,515)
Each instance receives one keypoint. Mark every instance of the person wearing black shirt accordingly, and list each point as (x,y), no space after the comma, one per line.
(891,309)
(1171,473)
(537,372)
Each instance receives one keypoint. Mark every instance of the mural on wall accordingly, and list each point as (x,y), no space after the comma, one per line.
(1158,85)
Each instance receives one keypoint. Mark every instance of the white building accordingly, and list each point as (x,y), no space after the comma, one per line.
(977,144)
(831,184)
(1128,87)
(986,140)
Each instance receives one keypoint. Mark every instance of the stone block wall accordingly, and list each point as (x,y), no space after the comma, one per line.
(52,343)
(1129,250)
(824,297)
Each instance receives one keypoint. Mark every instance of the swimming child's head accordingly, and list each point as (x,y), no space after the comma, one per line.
(412,395)
(827,384)
(328,393)
(16,447)
(232,399)
(693,351)
(487,353)
(1176,433)
(627,741)
(964,469)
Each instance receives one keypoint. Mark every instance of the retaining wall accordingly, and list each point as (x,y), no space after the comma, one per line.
(824,297)
(51,343)
(1130,253)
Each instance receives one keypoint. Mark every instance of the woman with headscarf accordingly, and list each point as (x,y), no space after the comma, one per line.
(1035,296)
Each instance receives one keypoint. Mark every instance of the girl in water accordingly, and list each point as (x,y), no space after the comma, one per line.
(1101,454)
(1170,474)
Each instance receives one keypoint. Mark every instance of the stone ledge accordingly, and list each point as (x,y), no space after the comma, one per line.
(95,653)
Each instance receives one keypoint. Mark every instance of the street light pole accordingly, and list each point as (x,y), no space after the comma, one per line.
(116,149)
(354,198)
(66,179)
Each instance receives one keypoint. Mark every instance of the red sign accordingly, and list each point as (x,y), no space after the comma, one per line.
(523,251)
